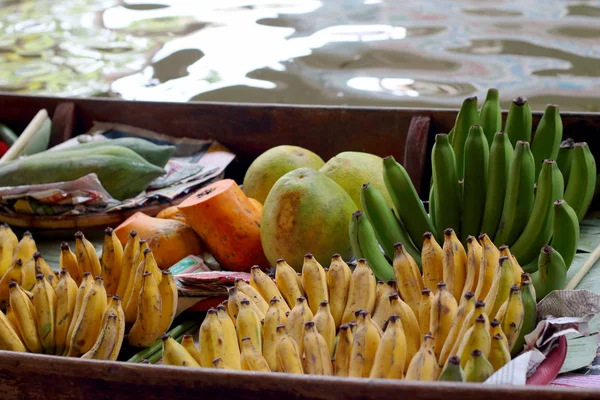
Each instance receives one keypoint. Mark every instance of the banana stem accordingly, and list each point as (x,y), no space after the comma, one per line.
(589,263)
(157,345)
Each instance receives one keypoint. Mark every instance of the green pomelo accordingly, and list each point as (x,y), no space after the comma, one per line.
(306,212)
(272,165)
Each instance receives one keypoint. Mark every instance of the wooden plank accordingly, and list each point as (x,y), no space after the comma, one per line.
(63,123)
(415,153)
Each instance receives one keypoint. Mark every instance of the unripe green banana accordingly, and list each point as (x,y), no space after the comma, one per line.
(519,196)
(499,164)
(478,368)
(432,209)
(452,372)
(530,319)
(565,157)
(406,201)
(385,224)
(546,141)
(565,232)
(363,236)
(445,181)
(582,180)
(551,274)
(466,118)
(490,116)
(475,183)
(538,231)
(518,121)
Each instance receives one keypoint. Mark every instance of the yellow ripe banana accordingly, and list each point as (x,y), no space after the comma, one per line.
(443,313)
(128,266)
(318,360)
(382,305)
(487,267)
(132,296)
(496,329)
(423,366)
(287,353)
(28,275)
(211,331)
(514,316)
(517,270)
(115,306)
(42,267)
(188,344)
(218,363)
(263,283)
(468,322)
(474,255)
(500,289)
(169,296)
(287,282)
(85,286)
(253,294)
(425,310)
(231,347)
(455,264)
(410,324)
(300,315)
(314,281)
(45,303)
(8,246)
(25,248)
(175,354)
(362,292)
(343,350)
(68,261)
(338,282)
(273,318)
(13,320)
(408,279)
(476,338)
(107,340)
(467,304)
(499,354)
(390,358)
(248,324)
(14,274)
(87,258)
(9,338)
(233,304)
(146,328)
(25,317)
(251,359)
(364,346)
(89,319)
(111,260)
(326,325)
(431,259)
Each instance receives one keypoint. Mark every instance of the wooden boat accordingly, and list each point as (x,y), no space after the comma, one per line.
(248,130)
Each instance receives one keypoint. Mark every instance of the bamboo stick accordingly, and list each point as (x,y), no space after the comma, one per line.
(589,263)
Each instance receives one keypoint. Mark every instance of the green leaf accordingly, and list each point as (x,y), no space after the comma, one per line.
(581,352)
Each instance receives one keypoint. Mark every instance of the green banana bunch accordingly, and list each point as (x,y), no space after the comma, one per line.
(551,274)
(582,180)
(445,180)
(565,232)
(364,245)
(490,116)
(407,202)
(466,118)
(475,183)
(565,157)
(518,121)
(387,228)
(546,142)
(498,172)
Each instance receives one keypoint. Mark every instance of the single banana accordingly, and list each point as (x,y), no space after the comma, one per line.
(452,372)
(42,267)
(115,306)
(443,313)
(517,270)
(582,180)
(8,246)
(253,294)
(299,316)
(14,322)
(132,295)
(343,350)
(287,282)
(9,338)
(425,310)
(339,276)
(406,200)
(388,229)
(28,275)
(496,329)
(268,289)
(423,366)
(513,317)
(431,258)
(529,318)
(107,340)
(326,325)
(454,263)
(210,337)
(518,121)
(128,266)
(466,118)
(146,328)
(390,358)
(547,138)
(487,266)
(476,157)
(44,303)
(361,295)
(476,338)
(25,248)
(25,317)
(86,285)
(565,158)
(447,197)
(288,356)
(68,261)
(408,279)
(251,359)
(468,322)
(233,304)
(231,347)
(273,318)
(410,324)
(467,304)
(364,346)
(364,245)
(500,289)
(478,368)
(474,256)
(14,274)
(318,360)
(518,201)
(490,116)
(175,354)
(89,319)
(499,354)
(86,255)
(169,297)
(248,324)
(187,341)
(111,261)
(565,231)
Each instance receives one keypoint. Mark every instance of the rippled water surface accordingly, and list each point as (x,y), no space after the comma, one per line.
(367,52)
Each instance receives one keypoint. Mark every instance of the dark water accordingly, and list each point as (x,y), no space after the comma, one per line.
(368,52)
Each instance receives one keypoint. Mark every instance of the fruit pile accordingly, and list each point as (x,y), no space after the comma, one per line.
(85,309)
(340,322)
